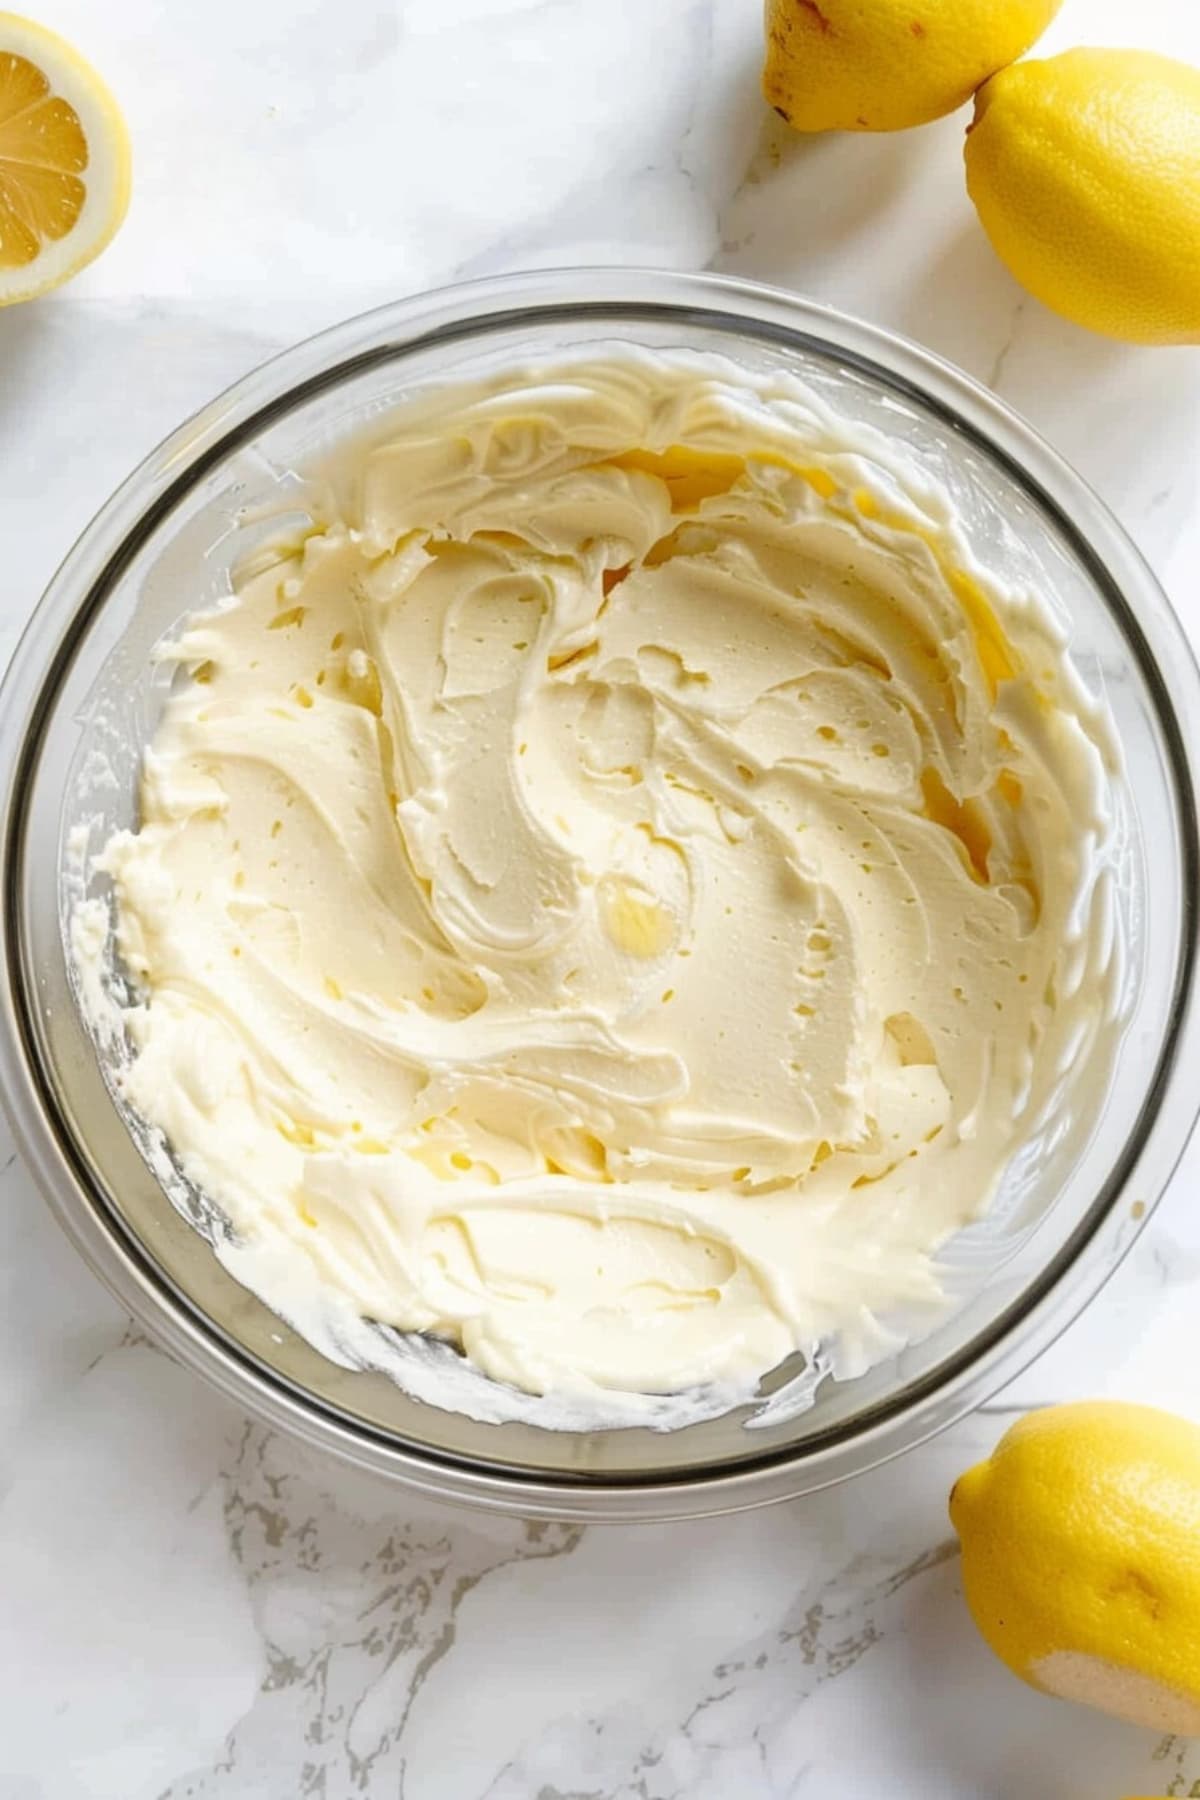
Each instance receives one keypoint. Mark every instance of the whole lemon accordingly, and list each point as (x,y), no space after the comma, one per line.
(1085,171)
(881,65)
(1081,1558)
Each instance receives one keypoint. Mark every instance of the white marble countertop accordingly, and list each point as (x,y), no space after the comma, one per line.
(192,1608)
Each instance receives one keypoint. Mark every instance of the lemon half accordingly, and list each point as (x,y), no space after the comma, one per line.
(64,161)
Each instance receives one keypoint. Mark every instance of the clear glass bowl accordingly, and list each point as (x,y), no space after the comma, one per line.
(82,696)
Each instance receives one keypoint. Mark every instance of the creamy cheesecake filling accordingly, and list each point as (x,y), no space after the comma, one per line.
(617,895)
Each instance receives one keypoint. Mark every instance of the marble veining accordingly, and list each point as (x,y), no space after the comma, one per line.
(192,1608)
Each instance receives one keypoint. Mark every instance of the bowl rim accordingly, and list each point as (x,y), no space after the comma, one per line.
(1153,634)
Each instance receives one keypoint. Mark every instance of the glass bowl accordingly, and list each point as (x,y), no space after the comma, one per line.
(82,696)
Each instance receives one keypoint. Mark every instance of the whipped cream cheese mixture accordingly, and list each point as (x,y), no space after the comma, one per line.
(617,894)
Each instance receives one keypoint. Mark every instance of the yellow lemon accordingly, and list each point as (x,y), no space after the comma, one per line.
(881,65)
(1081,1558)
(1085,171)
(64,161)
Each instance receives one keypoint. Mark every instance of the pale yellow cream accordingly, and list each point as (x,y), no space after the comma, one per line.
(619,893)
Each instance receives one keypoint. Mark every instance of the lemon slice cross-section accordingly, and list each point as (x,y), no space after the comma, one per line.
(64,161)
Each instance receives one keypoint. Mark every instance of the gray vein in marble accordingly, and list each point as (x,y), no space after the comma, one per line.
(357,1605)
(743,1711)
(995,374)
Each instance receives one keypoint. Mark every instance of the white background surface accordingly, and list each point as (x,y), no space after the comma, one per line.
(191,1609)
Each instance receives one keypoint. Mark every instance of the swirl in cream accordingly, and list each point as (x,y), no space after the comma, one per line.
(620,891)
